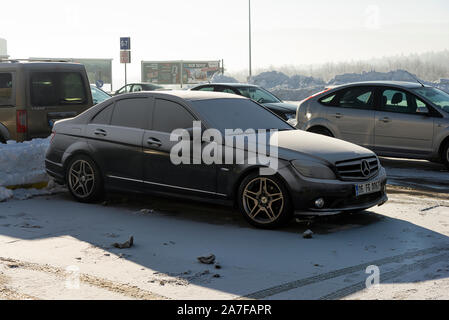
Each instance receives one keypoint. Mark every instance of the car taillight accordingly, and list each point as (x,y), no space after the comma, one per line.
(22,123)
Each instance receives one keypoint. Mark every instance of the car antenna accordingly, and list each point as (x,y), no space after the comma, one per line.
(416,79)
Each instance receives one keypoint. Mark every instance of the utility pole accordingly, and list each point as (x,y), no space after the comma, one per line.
(250,49)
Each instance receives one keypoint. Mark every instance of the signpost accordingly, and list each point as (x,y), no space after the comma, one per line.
(125,53)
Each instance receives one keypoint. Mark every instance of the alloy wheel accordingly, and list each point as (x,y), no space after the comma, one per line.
(81,178)
(263,200)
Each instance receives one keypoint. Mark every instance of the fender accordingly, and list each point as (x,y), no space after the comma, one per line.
(442,136)
(4,133)
(322,122)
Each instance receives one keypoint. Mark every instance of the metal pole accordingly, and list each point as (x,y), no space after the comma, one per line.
(126,81)
(250,49)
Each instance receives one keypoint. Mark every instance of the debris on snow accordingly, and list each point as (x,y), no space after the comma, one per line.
(126,245)
(210,259)
(308,234)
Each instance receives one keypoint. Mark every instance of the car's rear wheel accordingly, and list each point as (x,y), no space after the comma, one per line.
(322,131)
(84,179)
(445,155)
(264,201)
(2,140)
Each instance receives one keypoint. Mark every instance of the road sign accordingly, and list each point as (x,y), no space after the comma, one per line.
(125,56)
(125,43)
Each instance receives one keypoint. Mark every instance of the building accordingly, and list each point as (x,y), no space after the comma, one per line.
(3,49)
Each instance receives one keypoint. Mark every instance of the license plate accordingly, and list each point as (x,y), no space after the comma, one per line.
(368,188)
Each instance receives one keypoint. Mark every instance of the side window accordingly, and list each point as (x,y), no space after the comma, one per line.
(169,116)
(137,88)
(125,89)
(57,88)
(5,88)
(206,89)
(357,98)
(227,90)
(397,101)
(131,113)
(329,100)
(104,116)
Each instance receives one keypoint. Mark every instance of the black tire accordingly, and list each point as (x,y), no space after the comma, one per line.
(2,140)
(84,179)
(257,201)
(322,131)
(445,155)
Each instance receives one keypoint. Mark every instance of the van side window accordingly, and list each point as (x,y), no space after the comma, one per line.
(104,116)
(5,88)
(57,88)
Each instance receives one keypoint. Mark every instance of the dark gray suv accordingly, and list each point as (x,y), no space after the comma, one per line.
(126,144)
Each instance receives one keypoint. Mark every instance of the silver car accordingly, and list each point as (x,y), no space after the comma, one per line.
(394,119)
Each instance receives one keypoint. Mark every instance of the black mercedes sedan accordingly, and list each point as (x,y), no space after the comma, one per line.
(286,111)
(162,143)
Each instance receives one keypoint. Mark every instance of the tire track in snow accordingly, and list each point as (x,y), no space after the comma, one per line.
(124,289)
(387,276)
(262,294)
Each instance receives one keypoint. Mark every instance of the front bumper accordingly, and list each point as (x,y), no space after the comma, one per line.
(339,196)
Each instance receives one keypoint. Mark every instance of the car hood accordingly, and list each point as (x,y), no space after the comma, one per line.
(282,106)
(295,142)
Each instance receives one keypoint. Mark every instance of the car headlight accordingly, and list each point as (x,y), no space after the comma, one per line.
(313,169)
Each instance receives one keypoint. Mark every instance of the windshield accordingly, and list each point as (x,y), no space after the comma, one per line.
(99,95)
(234,114)
(257,94)
(438,97)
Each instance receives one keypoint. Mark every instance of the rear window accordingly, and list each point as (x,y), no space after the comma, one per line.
(5,88)
(57,88)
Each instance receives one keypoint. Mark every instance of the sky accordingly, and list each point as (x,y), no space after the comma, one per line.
(285,32)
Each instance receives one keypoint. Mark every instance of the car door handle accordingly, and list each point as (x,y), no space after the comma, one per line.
(386,120)
(100,132)
(154,141)
(338,115)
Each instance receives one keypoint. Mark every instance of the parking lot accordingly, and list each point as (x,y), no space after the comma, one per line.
(52,247)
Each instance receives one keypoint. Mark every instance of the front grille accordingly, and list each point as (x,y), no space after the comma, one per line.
(357,169)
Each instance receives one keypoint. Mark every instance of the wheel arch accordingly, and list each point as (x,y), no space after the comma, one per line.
(4,133)
(443,143)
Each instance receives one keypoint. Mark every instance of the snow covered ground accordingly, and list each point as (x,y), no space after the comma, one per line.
(23,164)
(55,248)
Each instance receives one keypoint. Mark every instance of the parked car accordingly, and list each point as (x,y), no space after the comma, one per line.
(137,87)
(124,144)
(286,111)
(33,95)
(394,119)
(99,95)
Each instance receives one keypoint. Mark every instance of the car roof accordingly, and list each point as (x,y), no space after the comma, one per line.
(184,94)
(41,65)
(397,84)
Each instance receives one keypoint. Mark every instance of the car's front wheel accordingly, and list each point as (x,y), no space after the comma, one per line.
(264,201)
(445,155)
(84,179)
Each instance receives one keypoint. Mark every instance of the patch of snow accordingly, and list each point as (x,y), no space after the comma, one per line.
(23,163)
